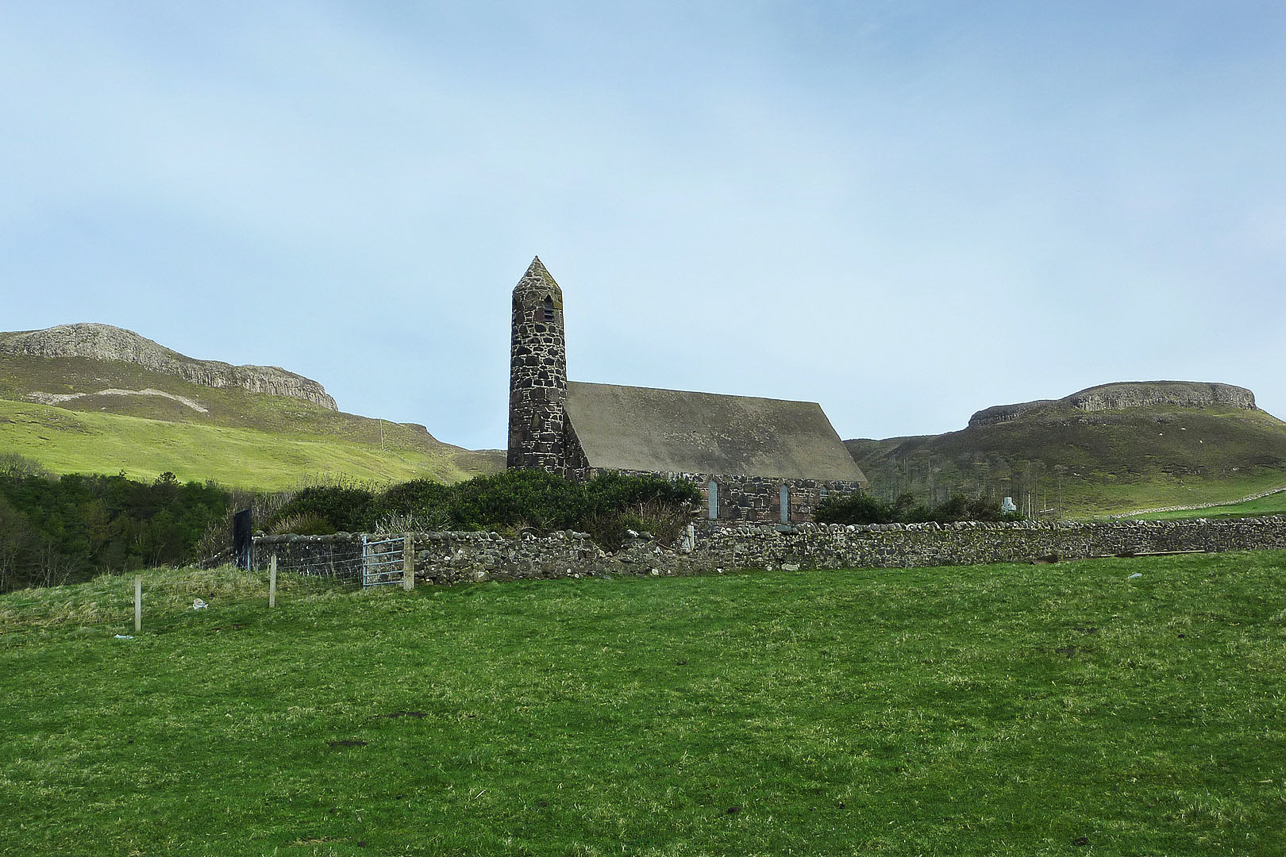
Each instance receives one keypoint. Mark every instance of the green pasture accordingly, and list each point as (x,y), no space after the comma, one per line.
(1273,504)
(66,441)
(1123,498)
(1100,707)
(1169,492)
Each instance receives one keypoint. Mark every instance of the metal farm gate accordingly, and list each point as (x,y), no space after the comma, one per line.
(383,561)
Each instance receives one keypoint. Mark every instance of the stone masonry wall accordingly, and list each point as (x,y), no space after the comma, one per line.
(758,499)
(748,498)
(446,558)
(537,374)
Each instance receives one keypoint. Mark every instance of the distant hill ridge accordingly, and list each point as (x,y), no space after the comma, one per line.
(1105,449)
(105,342)
(1125,395)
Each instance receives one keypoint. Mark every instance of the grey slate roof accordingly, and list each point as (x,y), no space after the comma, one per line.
(671,431)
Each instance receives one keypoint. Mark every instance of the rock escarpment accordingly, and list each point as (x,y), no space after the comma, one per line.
(104,342)
(1126,395)
(1183,394)
(1007,413)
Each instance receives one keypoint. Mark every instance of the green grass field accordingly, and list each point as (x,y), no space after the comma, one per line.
(1273,504)
(226,434)
(67,441)
(1024,710)
(1174,493)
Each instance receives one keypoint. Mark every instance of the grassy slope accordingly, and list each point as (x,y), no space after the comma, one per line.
(1109,461)
(243,439)
(1274,504)
(998,710)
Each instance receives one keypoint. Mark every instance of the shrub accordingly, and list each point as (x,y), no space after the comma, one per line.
(855,508)
(420,498)
(301,524)
(608,491)
(606,506)
(860,508)
(15,465)
(665,521)
(514,498)
(608,530)
(342,509)
(408,522)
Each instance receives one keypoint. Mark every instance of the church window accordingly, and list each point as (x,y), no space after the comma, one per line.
(785,504)
(549,308)
(714,500)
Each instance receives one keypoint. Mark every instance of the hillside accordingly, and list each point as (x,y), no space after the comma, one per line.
(104,343)
(1110,448)
(113,401)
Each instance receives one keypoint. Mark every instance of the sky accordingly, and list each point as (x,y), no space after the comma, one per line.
(906,211)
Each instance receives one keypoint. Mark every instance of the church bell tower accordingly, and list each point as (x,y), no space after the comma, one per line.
(537,374)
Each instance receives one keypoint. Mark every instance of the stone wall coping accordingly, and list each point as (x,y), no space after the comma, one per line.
(421,535)
(718,529)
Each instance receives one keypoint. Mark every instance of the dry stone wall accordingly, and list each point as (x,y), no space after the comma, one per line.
(446,558)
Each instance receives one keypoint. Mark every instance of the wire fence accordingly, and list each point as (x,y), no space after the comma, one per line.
(129,602)
(367,560)
(343,570)
(158,598)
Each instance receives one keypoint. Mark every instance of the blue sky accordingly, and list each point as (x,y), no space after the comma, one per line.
(906,211)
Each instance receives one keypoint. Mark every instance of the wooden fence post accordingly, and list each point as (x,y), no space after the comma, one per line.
(408,561)
(272,582)
(138,604)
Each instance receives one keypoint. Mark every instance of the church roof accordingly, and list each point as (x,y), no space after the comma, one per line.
(671,431)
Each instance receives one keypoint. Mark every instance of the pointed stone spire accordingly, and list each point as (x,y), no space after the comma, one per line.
(539,279)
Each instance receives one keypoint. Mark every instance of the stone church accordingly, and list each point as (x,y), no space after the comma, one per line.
(753,459)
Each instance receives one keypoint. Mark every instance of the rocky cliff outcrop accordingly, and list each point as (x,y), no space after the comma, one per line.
(104,342)
(1007,413)
(1182,394)
(1126,395)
